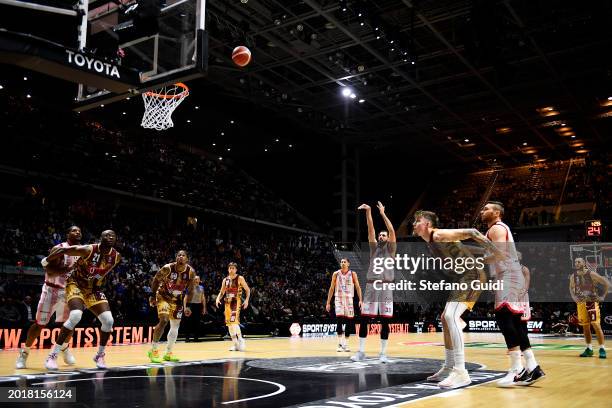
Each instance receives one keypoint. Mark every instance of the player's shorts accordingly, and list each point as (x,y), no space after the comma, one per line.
(377,302)
(345,309)
(52,300)
(232,311)
(88,296)
(172,308)
(375,309)
(588,313)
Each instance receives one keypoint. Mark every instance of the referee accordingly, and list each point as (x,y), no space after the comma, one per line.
(196,301)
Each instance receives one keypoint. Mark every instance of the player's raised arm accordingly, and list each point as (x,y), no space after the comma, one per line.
(370,222)
(330,292)
(392,241)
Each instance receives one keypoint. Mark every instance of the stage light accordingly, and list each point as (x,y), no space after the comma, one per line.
(346,92)
(353,96)
(361,100)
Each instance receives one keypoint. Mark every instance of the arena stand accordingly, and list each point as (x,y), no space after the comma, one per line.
(145,164)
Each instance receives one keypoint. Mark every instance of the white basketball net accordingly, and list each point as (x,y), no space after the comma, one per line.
(160,104)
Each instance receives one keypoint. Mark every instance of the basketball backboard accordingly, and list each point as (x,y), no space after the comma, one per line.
(122,47)
(163,40)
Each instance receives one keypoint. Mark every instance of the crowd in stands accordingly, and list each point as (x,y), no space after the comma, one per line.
(144,163)
(530,193)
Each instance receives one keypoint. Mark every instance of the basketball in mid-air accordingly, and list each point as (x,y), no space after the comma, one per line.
(241,56)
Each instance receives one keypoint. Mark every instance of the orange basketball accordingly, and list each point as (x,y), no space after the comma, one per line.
(241,56)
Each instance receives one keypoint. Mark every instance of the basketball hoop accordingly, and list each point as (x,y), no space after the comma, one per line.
(160,104)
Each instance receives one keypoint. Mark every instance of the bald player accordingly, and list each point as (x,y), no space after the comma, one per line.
(84,290)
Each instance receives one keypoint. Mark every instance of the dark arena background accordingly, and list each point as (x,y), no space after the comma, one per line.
(252,132)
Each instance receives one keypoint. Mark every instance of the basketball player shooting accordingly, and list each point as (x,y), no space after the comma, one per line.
(377,303)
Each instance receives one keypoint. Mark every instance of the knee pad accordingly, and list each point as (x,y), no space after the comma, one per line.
(106,318)
(73,319)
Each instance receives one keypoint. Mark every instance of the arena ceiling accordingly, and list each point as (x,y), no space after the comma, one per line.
(481,82)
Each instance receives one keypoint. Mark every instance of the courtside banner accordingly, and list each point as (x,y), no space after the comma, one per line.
(490,325)
(82,337)
(329,329)
(476,270)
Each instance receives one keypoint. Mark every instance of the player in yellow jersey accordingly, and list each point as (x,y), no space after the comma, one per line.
(231,289)
(169,286)
(583,288)
(446,243)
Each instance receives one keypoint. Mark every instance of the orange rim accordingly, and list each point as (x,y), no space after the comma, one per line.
(180,95)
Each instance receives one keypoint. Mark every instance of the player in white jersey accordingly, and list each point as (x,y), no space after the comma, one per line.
(344,283)
(53,299)
(511,303)
(377,303)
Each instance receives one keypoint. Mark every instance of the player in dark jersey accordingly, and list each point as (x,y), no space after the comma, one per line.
(377,303)
(231,290)
(583,288)
(84,290)
(169,285)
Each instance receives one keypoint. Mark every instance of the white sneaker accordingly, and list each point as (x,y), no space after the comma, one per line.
(383,358)
(51,362)
(241,345)
(233,348)
(457,378)
(99,360)
(21,360)
(508,380)
(440,375)
(68,357)
(339,348)
(346,348)
(359,356)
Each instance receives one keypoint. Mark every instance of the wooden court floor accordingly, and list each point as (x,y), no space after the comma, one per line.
(571,381)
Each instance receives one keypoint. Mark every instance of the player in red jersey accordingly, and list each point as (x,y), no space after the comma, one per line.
(84,290)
